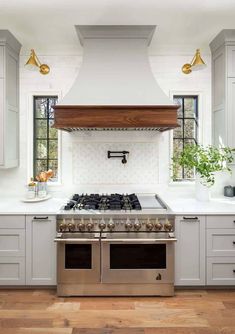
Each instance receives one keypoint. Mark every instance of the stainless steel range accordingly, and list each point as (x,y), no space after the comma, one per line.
(115,245)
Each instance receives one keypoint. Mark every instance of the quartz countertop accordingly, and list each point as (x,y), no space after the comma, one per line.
(178,206)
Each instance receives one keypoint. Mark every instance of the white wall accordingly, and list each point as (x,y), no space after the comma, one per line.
(84,165)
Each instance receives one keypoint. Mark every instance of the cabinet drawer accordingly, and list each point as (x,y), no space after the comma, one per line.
(12,270)
(12,242)
(12,222)
(1,61)
(221,271)
(221,242)
(220,222)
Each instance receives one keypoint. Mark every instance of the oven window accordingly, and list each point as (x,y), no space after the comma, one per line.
(138,256)
(78,256)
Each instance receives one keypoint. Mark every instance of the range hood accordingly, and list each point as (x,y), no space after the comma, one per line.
(115,88)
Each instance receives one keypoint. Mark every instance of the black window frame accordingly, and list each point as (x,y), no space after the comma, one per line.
(48,139)
(182,118)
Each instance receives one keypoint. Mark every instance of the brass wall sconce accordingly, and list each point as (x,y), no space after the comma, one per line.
(196,64)
(34,63)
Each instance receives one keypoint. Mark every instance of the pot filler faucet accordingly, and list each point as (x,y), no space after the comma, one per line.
(118,154)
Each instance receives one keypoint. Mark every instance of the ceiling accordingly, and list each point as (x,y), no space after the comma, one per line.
(48,25)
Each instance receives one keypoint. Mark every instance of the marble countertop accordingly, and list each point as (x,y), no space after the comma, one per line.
(178,205)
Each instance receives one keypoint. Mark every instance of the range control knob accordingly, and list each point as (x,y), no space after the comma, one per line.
(102,225)
(137,225)
(158,225)
(128,225)
(62,226)
(81,226)
(149,225)
(71,227)
(111,225)
(168,226)
(89,226)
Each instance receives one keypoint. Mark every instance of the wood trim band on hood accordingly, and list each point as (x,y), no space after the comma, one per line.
(115,116)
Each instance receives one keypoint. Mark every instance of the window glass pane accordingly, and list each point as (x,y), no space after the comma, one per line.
(189,107)
(178,132)
(41,108)
(53,148)
(53,164)
(53,133)
(179,101)
(40,165)
(189,128)
(41,148)
(41,128)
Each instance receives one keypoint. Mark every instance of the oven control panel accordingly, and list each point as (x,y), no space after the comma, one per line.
(110,224)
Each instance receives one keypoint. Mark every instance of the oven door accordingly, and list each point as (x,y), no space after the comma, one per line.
(144,259)
(78,259)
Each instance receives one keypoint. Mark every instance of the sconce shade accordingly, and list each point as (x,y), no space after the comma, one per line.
(33,64)
(196,64)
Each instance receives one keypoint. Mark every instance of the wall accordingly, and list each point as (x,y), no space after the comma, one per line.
(84,163)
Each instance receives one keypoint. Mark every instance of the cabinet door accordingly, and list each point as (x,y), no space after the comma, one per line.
(40,250)
(231,112)
(12,270)
(190,251)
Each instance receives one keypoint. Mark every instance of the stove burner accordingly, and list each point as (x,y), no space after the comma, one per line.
(103,202)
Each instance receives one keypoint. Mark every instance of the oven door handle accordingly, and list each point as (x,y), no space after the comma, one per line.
(139,240)
(76,240)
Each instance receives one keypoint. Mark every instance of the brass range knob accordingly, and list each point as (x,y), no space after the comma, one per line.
(102,225)
(128,225)
(158,226)
(62,227)
(149,226)
(81,226)
(111,225)
(137,225)
(168,226)
(89,226)
(71,227)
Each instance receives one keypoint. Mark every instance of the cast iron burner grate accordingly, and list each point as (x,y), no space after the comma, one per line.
(104,202)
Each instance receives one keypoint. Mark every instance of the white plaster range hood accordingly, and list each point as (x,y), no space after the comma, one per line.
(115,88)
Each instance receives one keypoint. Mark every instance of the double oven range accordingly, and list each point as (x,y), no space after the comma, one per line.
(115,245)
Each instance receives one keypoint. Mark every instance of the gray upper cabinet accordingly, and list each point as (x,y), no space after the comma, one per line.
(9,100)
(223,88)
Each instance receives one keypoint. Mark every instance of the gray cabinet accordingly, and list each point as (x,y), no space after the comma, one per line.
(223,88)
(220,250)
(12,250)
(9,100)
(190,250)
(40,250)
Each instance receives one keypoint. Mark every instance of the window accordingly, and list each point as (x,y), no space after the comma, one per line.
(187,133)
(45,137)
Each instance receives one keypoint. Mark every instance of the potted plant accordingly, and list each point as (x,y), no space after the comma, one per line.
(206,161)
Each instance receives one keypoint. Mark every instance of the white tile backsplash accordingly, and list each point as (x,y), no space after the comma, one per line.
(92,166)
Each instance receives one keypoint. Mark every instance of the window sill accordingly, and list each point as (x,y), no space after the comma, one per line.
(183,183)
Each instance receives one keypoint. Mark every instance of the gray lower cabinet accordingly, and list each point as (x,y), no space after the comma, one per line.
(220,250)
(190,250)
(12,250)
(40,250)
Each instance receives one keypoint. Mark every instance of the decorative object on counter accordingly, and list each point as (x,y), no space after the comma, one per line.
(228,191)
(34,63)
(42,179)
(205,161)
(118,154)
(36,199)
(32,187)
(196,64)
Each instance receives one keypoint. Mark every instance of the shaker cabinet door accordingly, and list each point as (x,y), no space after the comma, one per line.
(40,250)
(190,250)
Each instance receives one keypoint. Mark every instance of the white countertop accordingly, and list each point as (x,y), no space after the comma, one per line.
(178,205)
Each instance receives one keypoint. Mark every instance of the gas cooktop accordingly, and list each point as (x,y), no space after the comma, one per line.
(114,202)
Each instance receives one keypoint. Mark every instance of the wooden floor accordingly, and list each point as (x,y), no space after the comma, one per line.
(189,312)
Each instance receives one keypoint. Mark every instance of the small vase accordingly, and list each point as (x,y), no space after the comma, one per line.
(202,192)
(42,189)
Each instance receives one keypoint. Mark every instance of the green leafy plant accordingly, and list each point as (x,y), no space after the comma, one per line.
(205,160)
